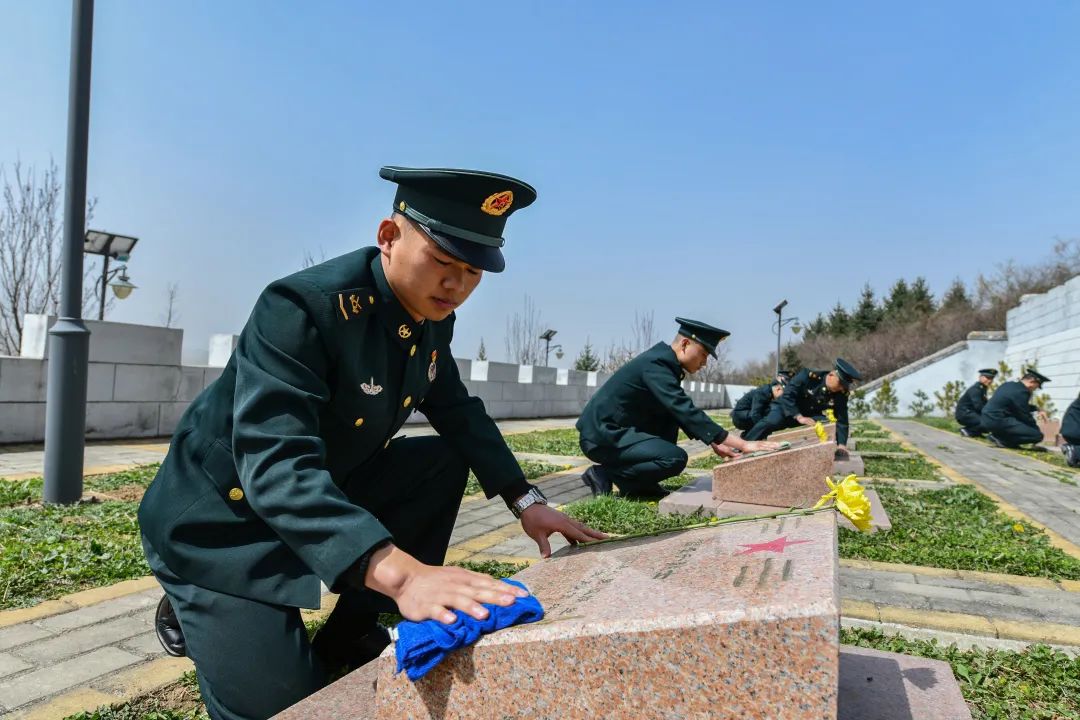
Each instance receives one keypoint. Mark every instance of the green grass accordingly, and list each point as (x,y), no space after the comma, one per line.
(549,442)
(705,462)
(1036,684)
(24,492)
(618,515)
(941,423)
(957,528)
(20,492)
(915,468)
(678,481)
(46,552)
(880,446)
(531,469)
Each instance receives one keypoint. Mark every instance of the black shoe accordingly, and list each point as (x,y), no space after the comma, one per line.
(342,654)
(167,629)
(595,479)
(966,433)
(1072,457)
(991,438)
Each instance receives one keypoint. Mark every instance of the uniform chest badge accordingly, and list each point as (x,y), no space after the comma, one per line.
(404,332)
(431,367)
(371,388)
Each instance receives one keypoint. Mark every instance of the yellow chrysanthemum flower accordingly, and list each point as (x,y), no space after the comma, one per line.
(1017,527)
(850,499)
(830,415)
(820,430)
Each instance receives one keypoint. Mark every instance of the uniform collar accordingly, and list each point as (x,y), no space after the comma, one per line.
(398,323)
(669,358)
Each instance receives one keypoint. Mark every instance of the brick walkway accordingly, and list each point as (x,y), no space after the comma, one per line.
(56,660)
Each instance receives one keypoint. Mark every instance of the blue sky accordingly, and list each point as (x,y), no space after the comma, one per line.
(699,159)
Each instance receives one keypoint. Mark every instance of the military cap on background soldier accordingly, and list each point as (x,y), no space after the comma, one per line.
(969,408)
(286,470)
(630,426)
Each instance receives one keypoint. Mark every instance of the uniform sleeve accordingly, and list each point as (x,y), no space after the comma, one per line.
(692,419)
(789,400)
(462,420)
(761,401)
(281,369)
(840,409)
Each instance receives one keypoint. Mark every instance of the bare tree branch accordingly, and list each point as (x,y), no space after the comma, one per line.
(523,345)
(172,313)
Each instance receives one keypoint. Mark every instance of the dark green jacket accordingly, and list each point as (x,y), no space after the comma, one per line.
(806,394)
(248,500)
(642,400)
(969,408)
(1011,400)
(1070,424)
(756,402)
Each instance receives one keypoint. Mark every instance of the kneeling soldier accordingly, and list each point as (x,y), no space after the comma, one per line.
(1070,432)
(969,408)
(754,405)
(805,399)
(285,471)
(632,422)
(1007,416)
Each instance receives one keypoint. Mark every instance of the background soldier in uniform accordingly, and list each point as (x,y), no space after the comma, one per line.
(632,422)
(754,405)
(805,400)
(1070,431)
(969,409)
(285,471)
(1007,416)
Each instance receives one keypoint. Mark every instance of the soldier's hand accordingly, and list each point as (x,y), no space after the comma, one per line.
(803,420)
(761,445)
(723,450)
(430,592)
(540,521)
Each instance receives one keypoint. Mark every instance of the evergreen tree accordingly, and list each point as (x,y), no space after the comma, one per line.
(789,359)
(921,300)
(481,354)
(896,305)
(956,298)
(839,321)
(867,315)
(587,361)
(885,402)
(816,327)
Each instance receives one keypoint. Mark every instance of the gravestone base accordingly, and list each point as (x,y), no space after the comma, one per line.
(698,496)
(853,465)
(872,684)
(786,478)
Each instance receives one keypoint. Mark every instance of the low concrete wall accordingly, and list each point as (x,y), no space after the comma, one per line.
(1044,330)
(146,395)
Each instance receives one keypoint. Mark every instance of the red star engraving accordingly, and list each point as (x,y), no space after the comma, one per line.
(776,546)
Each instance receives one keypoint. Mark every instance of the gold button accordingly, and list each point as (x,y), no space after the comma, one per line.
(236,494)
(412,351)
(359,422)
(371,299)
(408,401)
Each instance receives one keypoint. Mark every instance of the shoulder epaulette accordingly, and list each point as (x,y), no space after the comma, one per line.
(353,302)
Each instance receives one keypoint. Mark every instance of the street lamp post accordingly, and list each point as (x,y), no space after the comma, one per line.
(117,247)
(778,326)
(69,339)
(546,337)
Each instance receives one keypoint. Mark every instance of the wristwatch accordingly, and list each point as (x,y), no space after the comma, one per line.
(533,497)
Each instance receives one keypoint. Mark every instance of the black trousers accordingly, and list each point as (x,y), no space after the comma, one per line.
(1013,433)
(742,419)
(638,469)
(773,421)
(253,659)
(972,422)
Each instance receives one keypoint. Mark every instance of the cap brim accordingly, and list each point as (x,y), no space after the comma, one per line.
(483,257)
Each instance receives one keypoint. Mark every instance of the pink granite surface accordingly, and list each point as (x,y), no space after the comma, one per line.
(804,433)
(739,621)
(877,685)
(788,478)
(698,496)
(1050,430)
(350,698)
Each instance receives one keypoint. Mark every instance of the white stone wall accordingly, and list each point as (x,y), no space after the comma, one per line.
(1044,330)
(137,386)
(960,361)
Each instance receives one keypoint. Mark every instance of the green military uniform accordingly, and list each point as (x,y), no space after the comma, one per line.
(753,406)
(1007,416)
(1070,431)
(630,425)
(807,394)
(969,408)
(284,472)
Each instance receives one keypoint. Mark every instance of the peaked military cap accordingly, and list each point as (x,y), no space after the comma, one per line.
(785,375)
(462,211)
(989,372)
(846,372)
(1032,372)
(703,333)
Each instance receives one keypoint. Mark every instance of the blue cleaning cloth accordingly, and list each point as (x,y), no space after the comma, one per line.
(423,645)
